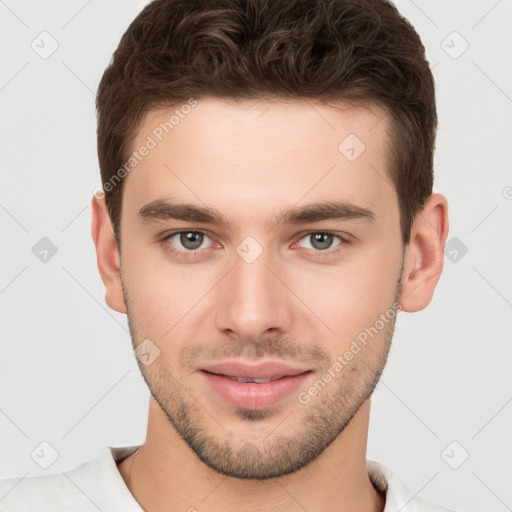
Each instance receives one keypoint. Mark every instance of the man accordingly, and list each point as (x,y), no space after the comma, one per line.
(266,211)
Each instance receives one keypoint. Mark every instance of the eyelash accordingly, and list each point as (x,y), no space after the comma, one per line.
(191,254)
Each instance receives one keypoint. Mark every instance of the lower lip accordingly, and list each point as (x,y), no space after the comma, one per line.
(251,395)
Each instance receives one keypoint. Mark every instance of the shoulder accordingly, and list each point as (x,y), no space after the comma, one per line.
(40,493)
(91,486)
(398,496)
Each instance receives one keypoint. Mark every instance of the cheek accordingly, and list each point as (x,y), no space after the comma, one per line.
(352,296)
(347,297)
(160,293)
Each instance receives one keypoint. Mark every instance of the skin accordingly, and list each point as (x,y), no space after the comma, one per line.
(299,301)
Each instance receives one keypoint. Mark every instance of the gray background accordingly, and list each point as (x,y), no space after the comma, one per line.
(68,376)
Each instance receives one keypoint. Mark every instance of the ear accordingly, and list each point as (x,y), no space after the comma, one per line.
(424,255)
(107,254)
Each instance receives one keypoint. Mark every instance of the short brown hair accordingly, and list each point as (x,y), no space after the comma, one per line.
(327,50)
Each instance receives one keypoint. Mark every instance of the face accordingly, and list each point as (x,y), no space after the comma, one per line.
(255,234)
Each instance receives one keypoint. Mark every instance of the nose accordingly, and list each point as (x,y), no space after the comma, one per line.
(253,301)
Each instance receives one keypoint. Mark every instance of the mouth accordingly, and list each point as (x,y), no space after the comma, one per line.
(253,379)
(254,386)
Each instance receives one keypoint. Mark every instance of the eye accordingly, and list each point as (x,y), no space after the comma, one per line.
(321,240)
(189,240)
(193,243)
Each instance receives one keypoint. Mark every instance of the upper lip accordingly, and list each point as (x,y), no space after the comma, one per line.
(270,369)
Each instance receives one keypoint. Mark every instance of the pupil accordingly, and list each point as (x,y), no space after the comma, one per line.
(323,240)
(191,240)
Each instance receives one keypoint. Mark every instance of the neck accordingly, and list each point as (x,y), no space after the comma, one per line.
(164,474)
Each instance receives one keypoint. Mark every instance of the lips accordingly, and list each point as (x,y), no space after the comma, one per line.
(270,370)
(254,380)
(252,386)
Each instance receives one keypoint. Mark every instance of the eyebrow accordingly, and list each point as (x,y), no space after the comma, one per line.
(315,212)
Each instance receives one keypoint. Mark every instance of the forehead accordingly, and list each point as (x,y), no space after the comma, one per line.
(248,158)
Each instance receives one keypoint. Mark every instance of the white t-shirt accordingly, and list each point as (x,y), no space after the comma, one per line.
(97,485)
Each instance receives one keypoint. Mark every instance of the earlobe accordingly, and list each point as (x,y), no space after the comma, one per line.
(424,255)
(107,255)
